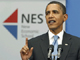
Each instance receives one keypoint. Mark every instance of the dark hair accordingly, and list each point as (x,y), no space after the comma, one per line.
(61,5)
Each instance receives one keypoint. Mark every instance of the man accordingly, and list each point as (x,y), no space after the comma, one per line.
(55,16)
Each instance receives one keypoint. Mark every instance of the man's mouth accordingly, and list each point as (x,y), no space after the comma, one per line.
(51,21)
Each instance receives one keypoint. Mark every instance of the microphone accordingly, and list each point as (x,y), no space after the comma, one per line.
(59,52)
(50,50)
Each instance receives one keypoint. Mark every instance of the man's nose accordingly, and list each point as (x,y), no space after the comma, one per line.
(51,15)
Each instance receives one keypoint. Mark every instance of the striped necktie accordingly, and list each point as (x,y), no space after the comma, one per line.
(55,43)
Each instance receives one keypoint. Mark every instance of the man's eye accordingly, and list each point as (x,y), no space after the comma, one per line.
(47,12)
(54,11)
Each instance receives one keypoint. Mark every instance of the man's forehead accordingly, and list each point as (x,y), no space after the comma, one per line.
(53,7)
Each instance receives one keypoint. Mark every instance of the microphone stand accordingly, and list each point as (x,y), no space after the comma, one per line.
(54,58)
(49,57)
(58,58)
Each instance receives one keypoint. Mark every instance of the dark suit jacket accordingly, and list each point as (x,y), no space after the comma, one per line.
(41,43)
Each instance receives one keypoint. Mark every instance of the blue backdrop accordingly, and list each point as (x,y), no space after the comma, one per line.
(73,22)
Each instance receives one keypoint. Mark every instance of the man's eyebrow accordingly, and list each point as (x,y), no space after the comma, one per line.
(47,11)
(55,10)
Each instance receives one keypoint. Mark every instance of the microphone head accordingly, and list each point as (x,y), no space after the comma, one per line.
(59,51)
(51,47)
(50,50)
(59,46)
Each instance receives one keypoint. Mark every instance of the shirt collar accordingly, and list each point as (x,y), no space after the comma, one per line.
(59,34)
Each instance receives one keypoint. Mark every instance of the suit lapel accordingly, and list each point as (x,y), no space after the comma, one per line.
(44,45)
(66,43)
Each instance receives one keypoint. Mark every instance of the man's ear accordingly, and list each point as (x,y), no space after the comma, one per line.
(65,17)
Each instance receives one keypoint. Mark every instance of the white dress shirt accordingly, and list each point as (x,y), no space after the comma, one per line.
(51,38)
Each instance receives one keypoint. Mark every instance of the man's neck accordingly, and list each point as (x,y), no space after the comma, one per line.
(56,31)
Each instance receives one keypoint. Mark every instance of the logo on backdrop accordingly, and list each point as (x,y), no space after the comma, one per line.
(26,30)
(13,18)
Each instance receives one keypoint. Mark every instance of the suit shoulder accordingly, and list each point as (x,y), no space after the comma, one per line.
(74,37)
(37,38)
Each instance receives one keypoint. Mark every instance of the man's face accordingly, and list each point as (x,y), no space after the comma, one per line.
(54,16)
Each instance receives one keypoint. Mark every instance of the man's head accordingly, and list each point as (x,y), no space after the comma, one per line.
(55,15)
(63,8)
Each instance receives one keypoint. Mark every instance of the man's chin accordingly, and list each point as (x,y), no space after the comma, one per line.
(52,28)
